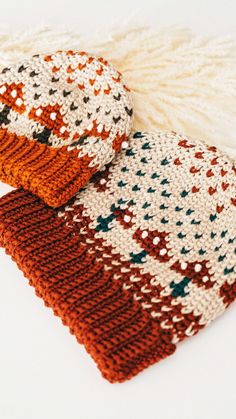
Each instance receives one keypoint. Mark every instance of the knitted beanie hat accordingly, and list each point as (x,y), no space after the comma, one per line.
(62,117)
(143,257)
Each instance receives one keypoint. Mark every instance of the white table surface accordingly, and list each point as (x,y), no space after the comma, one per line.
(44,373)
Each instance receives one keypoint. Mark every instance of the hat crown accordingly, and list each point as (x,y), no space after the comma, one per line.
(165,208)
(70,99)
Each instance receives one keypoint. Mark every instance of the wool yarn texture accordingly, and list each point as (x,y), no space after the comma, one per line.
(168,69)
(63,116)
(141,258)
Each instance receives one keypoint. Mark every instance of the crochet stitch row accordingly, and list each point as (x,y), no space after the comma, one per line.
(141,258)
(62,117)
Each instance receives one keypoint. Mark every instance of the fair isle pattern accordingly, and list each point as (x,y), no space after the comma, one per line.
(162,219)
(141,258)
(72,102)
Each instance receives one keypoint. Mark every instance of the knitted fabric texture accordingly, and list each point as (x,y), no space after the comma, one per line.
(62,117)
(141,258)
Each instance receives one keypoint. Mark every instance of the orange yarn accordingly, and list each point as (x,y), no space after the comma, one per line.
(120,336)
(141,258)
(51,173)
(55,131)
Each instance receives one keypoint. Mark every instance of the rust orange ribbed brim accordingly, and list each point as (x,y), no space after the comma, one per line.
(120,336)
(63,117)
(54,174)
(136,262)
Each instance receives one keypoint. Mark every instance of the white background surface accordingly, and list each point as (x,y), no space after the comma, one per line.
(44,373)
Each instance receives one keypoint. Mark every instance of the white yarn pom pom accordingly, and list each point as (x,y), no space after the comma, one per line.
(180,82)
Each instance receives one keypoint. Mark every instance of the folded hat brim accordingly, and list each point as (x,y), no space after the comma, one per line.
(53,174)
(120,336)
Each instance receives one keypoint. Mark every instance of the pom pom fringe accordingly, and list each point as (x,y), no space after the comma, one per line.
(180,82)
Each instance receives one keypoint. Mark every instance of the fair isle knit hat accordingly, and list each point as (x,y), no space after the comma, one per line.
(62,117)
(141,258)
